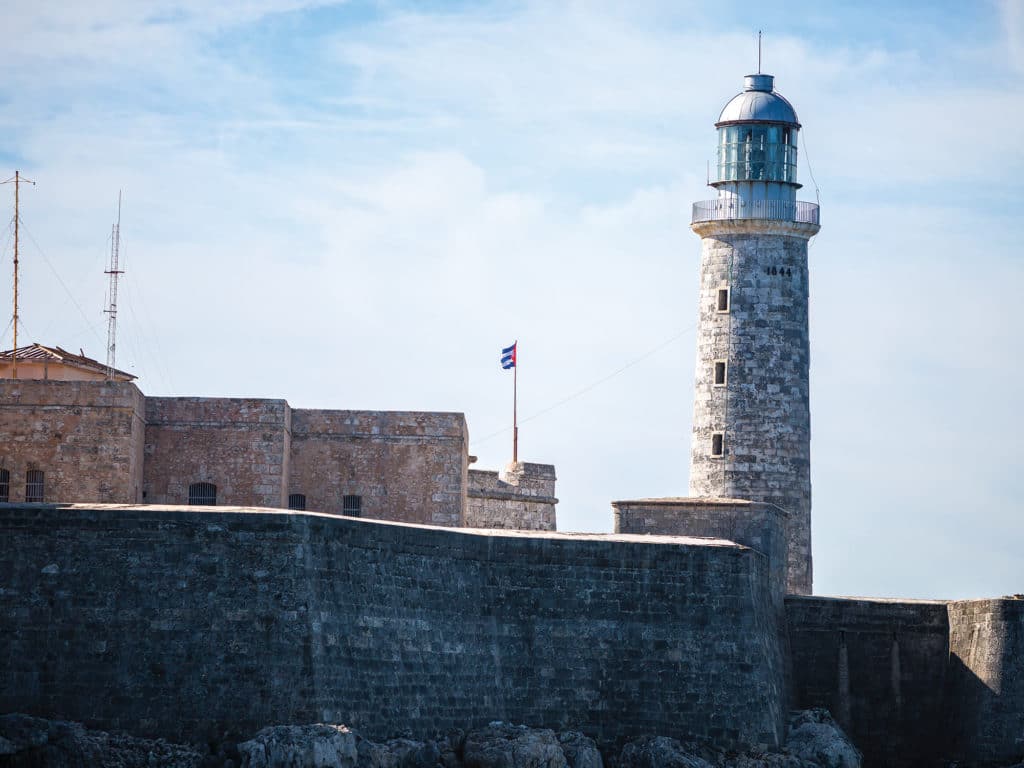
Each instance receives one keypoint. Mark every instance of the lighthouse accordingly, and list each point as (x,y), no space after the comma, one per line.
(751,418)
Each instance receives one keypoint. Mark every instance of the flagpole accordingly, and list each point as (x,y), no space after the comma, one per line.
(515,410)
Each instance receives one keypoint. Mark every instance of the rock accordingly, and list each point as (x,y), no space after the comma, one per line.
(815,737)
(501,745)
(579,751)
(660,752)
(398,753)
(27,742)
(764,760)
(300,746)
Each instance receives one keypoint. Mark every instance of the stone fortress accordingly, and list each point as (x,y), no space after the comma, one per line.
(180,597)
(84,433)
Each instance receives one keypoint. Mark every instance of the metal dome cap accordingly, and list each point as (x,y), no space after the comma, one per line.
(759,103)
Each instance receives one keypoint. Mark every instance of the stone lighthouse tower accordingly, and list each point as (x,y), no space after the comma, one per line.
(751,420)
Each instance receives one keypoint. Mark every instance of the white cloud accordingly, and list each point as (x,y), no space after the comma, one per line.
(367,228)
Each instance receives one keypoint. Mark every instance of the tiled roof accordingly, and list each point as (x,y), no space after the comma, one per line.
(39,353)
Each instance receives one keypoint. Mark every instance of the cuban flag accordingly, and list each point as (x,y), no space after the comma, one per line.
(508,357)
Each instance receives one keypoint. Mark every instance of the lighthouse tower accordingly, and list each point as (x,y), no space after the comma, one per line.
(751,417)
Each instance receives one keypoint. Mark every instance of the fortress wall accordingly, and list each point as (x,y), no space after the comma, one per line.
(86,437)
(758,525)
(405,466)
(879,666)
(241,445)
(986,680)
(185,623)
(521,497)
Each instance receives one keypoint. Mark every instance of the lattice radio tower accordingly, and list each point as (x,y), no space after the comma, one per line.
(115,271)
(17,180)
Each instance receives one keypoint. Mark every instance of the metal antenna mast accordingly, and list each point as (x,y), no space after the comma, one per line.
(17,180)
(759,51)
(114,272)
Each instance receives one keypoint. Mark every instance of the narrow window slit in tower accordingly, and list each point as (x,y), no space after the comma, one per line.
(717,443)
(720,373)
(723,300)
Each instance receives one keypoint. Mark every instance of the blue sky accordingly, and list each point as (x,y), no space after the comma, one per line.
(357,205)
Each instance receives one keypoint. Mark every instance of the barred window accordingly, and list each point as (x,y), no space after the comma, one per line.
(204,494)
(352,506)
(297,501)
(5,485)
(34,485)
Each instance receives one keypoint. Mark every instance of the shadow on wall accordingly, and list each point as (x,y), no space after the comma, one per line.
(985,682)
(914,683)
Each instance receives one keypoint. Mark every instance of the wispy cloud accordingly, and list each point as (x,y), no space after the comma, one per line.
(356,205)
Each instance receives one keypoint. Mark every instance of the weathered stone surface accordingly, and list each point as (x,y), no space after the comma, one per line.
(879,666)
(501,745)
(399,753)
(300,746)
(814,736)
(181,623)
(763,406)
(660,752)
(521,497)
(404,465)
(85,436)
(986,680)
(580,751)
(32,742)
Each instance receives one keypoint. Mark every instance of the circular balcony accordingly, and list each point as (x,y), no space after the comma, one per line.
(724,209)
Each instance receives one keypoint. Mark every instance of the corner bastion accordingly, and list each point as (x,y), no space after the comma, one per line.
(188,623)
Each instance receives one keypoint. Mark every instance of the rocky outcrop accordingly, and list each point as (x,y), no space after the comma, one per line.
(32,742)
(301,746)
(579,750)
(660,752)
(815,737)
(814,741)
(501,745)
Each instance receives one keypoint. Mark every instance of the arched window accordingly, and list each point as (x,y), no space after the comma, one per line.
(5,485)
(204,494)
(34,485)
(297,501)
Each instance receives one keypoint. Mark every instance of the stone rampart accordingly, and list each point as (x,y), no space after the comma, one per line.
(403,465)
(758,525)
(186,623)
(240,445)
(879,666)
(522,497)
(86,437)
(986,680)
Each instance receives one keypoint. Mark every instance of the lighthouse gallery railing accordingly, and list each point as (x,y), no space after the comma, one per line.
(776,210)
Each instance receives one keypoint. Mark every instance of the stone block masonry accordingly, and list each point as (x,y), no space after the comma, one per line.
(242,446)
(86,438)
(522,497)
(751,420)
(880,667)
(758,525)
(403,465)
(986,680)
(185,623)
